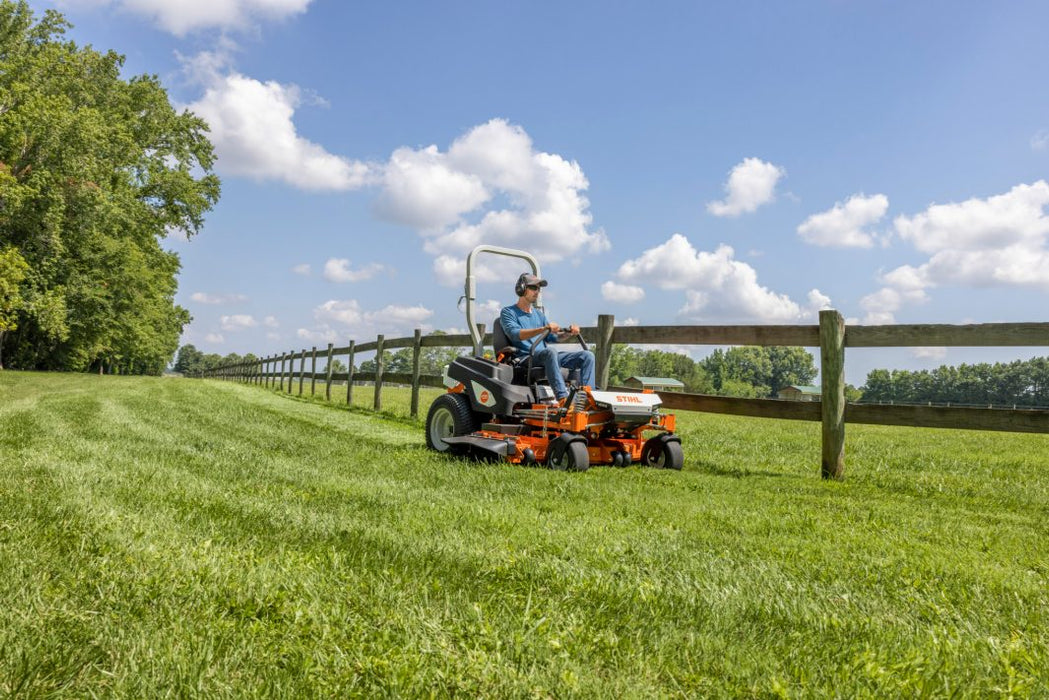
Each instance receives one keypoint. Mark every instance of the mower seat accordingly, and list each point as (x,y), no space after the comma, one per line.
(501,345)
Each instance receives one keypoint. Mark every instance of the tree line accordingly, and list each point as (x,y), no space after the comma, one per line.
(1021,383)
(95,171)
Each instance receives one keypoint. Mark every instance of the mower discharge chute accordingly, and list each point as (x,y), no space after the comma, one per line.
(504,408)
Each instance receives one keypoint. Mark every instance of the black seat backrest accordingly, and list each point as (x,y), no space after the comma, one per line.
(499,339)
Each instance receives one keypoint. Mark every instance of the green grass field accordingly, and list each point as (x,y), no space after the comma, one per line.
(175,537)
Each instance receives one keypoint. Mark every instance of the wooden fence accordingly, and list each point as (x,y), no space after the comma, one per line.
(831,336)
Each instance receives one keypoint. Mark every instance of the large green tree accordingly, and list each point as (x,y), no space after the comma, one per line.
(95,170)
(766,369)
(12,273)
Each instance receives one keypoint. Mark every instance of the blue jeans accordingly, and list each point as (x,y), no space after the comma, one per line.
(552,361)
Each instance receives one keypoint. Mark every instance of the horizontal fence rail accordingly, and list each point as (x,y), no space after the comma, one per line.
(282,371)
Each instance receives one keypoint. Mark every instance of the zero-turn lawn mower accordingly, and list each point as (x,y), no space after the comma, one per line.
(505,408)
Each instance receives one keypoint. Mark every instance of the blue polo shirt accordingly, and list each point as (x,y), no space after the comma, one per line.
(514,321)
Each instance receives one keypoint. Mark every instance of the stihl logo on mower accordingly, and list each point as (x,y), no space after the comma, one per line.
(484,396)
(632,401)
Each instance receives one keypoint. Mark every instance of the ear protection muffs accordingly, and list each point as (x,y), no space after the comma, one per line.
(520,287)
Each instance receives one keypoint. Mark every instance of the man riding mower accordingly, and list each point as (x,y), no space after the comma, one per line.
(508,408)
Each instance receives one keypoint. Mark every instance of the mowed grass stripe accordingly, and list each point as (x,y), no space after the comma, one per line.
(185,537)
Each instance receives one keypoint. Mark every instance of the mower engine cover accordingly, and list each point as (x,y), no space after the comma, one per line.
(628,407)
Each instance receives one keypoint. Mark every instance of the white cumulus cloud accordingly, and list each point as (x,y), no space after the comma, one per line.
(339,270)
(1014,218)
(490,186)
(347,312)
(716,285)
(399,315)
(424,190)
(180,17)
(751,184)
(621,293)
(238,322)
(844,224)
(254,133)
(1000,241)
(350,320)
(882,305)
(1040,141)
(303,269)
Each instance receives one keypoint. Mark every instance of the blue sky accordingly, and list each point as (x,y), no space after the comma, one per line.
(669,162)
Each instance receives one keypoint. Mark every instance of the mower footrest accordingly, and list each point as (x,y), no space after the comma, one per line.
(505,429)
(493,445)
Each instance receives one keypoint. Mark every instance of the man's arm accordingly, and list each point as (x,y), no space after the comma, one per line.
(517,333)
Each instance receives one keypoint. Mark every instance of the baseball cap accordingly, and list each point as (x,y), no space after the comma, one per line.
(527,280)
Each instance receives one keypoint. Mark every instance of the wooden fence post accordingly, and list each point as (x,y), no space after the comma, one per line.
(313,373)
(280,380)
(378,373)
(291,370)
(349,375)
(302,371)
(327,381)
(832,371)
(416,359)
(606,324)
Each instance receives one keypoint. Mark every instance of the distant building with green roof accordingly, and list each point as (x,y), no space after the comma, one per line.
(655,383)
(797,392)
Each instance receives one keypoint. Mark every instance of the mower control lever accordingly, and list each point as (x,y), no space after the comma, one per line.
(579,337)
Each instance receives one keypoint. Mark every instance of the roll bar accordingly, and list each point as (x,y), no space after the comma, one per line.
(470,290)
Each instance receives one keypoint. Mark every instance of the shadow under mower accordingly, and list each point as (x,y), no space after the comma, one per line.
(505,410)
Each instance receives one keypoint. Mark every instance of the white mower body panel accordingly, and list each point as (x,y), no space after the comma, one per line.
(629,408)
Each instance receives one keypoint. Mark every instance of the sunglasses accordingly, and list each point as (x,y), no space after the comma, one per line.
(533,287)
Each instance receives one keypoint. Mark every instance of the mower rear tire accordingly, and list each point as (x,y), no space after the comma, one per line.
(662,454)
(571,457)
(450,416)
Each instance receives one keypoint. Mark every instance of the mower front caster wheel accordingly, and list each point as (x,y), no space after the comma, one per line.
(662,454)
(571,457)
